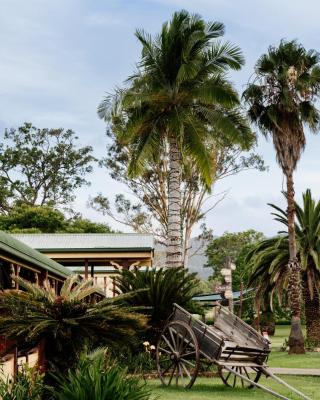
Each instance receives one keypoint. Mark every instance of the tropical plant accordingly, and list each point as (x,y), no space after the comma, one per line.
(157,291)
(94,378)
(180,100)
(281,102)
(65,323)
(269,262)
(28,384)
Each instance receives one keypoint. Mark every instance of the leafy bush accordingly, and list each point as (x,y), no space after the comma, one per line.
(27,386)
(157,291)
(95,379)
(66,323)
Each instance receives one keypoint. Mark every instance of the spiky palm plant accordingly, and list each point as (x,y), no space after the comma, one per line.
(65,323)
(179,99)
(269,262)
(157,290)
(281,102)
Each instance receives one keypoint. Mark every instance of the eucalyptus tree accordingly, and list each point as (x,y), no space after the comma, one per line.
(281,102)
(178,99)
(268,261)
(41,166)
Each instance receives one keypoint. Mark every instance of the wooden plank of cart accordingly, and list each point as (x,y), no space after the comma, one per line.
(239,351)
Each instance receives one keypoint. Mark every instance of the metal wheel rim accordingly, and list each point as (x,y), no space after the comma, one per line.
(183,368)
(233,381)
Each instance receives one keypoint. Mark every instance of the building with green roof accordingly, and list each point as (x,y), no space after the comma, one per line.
(17,258)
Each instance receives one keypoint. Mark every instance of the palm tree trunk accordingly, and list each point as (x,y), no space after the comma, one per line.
(296,340)
(174,243)
(312,312)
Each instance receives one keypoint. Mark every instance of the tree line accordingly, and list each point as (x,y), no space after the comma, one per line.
(178,125)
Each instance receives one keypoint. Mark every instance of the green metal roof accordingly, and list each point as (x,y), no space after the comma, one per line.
(80,242)
(16,248)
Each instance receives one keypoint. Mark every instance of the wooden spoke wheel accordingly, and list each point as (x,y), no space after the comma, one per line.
(232,380)
(178,355)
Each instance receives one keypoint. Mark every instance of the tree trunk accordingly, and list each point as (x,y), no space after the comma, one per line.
(296,340)
(174,242)
(312,312)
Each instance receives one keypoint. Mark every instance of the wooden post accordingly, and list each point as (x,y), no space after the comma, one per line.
(16,268)
(105,285)
(86,268)
(113,287)
(41,356)
(126,264)
(92,271)
(43,279)
(15,363)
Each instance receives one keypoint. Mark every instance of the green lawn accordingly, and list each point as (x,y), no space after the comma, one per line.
(282,359)
(213,389)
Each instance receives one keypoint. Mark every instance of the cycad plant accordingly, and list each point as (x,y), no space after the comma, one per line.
(156,291)
(269,262)
(281,102)
(66,323)
(178,100)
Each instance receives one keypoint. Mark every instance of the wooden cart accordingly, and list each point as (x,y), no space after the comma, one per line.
(239,351)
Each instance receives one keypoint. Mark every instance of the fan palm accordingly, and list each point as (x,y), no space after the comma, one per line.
(269,260)
(67,322)
(281,102)
(179,99)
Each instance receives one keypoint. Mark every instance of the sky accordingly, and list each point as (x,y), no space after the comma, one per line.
(59,58)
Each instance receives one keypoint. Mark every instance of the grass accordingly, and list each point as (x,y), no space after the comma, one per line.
(213,388)
(282,359)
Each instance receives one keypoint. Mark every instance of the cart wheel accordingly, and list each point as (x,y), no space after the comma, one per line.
(177,355)
(229,379)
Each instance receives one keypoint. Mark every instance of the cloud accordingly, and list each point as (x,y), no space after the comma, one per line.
(105,20)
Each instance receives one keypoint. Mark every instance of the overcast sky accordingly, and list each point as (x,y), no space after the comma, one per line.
(59,58)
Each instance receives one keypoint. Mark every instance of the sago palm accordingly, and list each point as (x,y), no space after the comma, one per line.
(281,102)
(178,99)
(269,262)
(64,324)
(157,290)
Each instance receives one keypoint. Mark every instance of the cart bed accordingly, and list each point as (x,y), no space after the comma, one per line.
(228,340)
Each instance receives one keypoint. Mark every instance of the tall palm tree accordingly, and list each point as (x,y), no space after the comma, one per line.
(64,324)
(281,102)
(269,260)
(178,99)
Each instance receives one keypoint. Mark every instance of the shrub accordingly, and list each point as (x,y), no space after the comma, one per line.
(66,323)
(95,379)
(28,385)
(157,290)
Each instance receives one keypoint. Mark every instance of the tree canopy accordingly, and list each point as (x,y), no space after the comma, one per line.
(24,218)
(41,166)
(232,245)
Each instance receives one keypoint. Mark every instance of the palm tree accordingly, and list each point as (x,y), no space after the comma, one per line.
(179,99)
(281,102)
(269,261)
(66,323)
